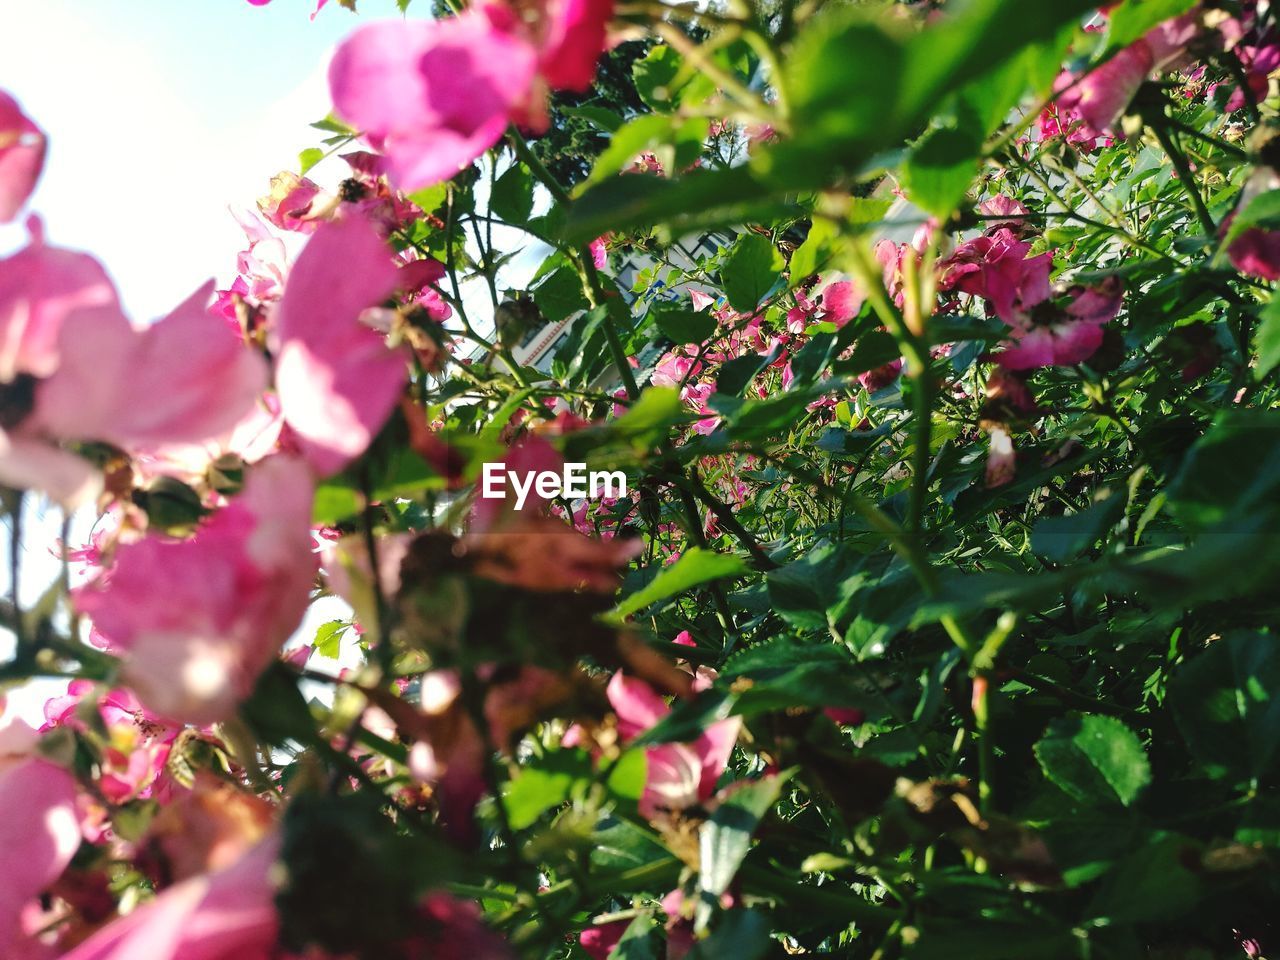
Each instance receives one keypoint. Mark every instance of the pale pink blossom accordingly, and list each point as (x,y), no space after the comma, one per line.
(336,377)
(214,916)
(233,593)
(39,834)
(184,379)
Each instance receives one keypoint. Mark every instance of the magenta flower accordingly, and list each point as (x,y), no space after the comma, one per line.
(996,267)
(336,378)
(22,150)
(573,36)
(1256,250)
(1052,335)
(234,592)
(39,834)
(432,95)
(679,775)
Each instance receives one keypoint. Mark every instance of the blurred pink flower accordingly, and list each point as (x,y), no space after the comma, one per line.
(213,916)
(432,94)
(232,594)
(39,834)
(1050,335)
(184,379)
(1256,250)
(22,149)
(336,377)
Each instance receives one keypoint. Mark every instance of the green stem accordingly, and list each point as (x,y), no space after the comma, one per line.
(1179,161)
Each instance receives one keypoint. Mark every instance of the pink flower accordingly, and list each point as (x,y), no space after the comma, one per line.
(679,775)
(432,94)
(1002,462)
(184,379)
(997,267)
(336,378)
(1256,251)
(232,593)
(598,941)
(573,36)
(599,253)
(40,286)
(39,834)
(134,756)
(22,149)
(841,301)
(1049,335)
(213,916)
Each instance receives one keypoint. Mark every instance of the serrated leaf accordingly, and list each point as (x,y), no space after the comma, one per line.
(512,196)
(696,566)
(684,325)
(1094,759)
(750,271)
(328,641)
(724,839)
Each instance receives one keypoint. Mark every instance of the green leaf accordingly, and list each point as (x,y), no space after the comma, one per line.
(629,141)
(741,934)
(640,941)
(812,255)
(308,158)
(1204,493)
(940,168)
(1094,759)
(276,710)
(328,641)
(627,776)
(664,81)
(1130,20)
(698,201)
(695,566)
(683,325)
(724,840)
(1226,702)
(430,199)
(512,197)
(543,784)
(1266,340)
(1061,538)
(750,271)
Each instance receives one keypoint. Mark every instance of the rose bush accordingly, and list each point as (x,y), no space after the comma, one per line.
(937,342)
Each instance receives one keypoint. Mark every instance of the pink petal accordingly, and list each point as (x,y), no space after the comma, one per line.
(714,748)
(233,593)
(22,150)
(230,913)
(637,705)
(336,378)
(434,94)
(28,464)
(39,833)
(40,286)
(574,39)
(185,379)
